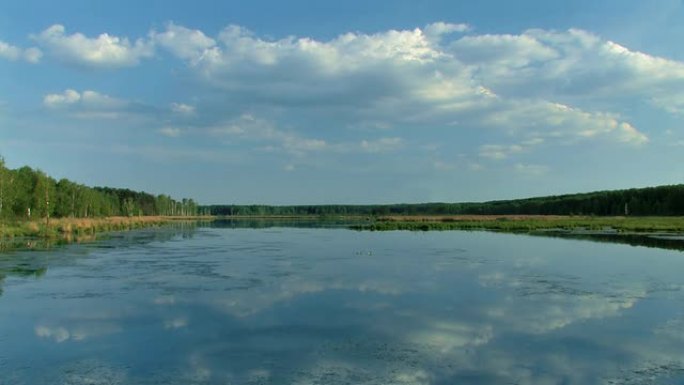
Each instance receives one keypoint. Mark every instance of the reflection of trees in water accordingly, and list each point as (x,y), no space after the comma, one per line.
(18,244)
(25,271)
(262,223)
(659,241)
(22,269)
(28,257)
(662,241)
(183,229)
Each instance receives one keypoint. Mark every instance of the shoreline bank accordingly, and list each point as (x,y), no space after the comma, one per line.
(525,223)
(66,228)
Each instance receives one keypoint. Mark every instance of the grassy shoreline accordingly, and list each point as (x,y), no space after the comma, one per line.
(66,228)
(73,229)
(526,223)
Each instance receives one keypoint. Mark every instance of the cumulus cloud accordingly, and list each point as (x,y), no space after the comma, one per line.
(68,97)
(501,52)
(13,53)
(248,127)
(103,51)
(552,86)
(87,98)
(441,28)
(87,104)
(440,74)
(182,109)
(548,121)
(185,43)
(572,64)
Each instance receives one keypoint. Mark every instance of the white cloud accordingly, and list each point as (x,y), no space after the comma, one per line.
(441,28)
(10,52)
(300,62)
(248,127)
(183,42)
(182,109)
(33,55)
(94,99)
(673,104)
(171,132)
(529,90)
(479,81)
(68,97)
(628,134)
(382,145)
(103,51)
(573,64)
(548,120)
(261,131)
(87,98)
(499,152)
(502,52)
(87,104)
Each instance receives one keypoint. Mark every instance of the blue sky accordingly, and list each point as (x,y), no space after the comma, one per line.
(345,102)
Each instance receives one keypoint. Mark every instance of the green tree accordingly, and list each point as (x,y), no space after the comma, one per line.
(3,181)
(24,182)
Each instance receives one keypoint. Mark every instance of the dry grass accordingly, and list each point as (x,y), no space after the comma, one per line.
(72,228)
(470,218)
(527,223)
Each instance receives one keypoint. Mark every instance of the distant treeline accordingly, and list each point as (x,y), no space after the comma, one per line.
(662,200)
(27,193)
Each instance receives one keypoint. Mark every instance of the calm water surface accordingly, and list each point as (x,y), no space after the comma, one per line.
(333,306)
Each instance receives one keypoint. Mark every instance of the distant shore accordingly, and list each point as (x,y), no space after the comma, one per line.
(519,223)
(68,227)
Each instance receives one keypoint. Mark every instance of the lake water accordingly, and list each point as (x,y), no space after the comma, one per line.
(296,305)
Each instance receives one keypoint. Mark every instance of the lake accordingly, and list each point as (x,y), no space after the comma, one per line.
(225,304)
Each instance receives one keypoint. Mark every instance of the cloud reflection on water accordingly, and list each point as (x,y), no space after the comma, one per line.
(301,306)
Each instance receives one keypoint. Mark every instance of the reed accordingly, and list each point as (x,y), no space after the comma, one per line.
(65,228)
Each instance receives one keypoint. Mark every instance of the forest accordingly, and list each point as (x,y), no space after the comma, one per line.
(650,201)
(26,193)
